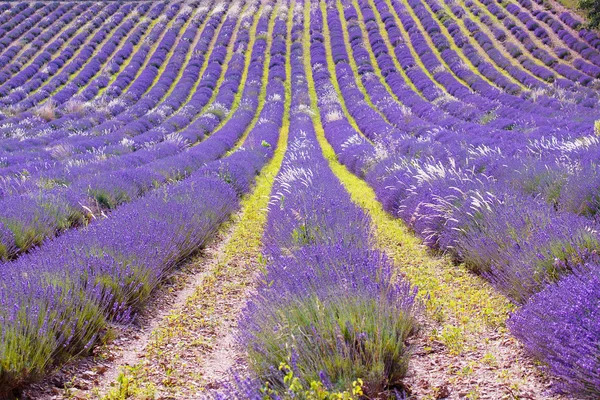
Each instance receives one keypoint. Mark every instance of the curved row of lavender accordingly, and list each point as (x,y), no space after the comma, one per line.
(327,305)
(463,115)
(518,208)
(65,291)
(60,144)
(75,190)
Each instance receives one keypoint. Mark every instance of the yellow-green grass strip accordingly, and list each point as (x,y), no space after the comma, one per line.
(238,261)
(226,281)
(462,311)
(572,4)
(262,96)
(449,291)
(245,243)
(331,65)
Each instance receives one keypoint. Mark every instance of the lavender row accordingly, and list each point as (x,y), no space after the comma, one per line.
(127,157)
(421,107)
(79,69)
(570,190)
(152,91)
(8,20)
(511,28)
(84,68)
(81,43)
(47,136)
(525,76)
(195,208)
(82,80)
(378,94)
(587,52)
(123,82)
(417,108)
(371,124)
(61,297)
(589,36)
(588,64)
(486,92)
(473,218)
(33,68)
(125,143)
(23,72)
(567,126)
(22,23)
(110,104)
(110,268)
(318,251)
(433,29)
(54,28)
(486,44)
(563,69)
(30,29)
(41,216)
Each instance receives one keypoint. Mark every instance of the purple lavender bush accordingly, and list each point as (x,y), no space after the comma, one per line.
(63,294)
(327,305)
(333,314)
(561,326)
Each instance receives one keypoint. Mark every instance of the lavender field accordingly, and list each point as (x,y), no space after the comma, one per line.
(293,199)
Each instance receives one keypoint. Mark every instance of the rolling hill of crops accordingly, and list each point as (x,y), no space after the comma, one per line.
(133,132)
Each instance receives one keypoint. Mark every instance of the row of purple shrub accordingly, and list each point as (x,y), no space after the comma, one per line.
(509,212)
(29,217)
(327,310)
(105,115)
(65,292)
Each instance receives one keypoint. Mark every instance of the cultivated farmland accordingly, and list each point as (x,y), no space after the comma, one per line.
(292,199)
